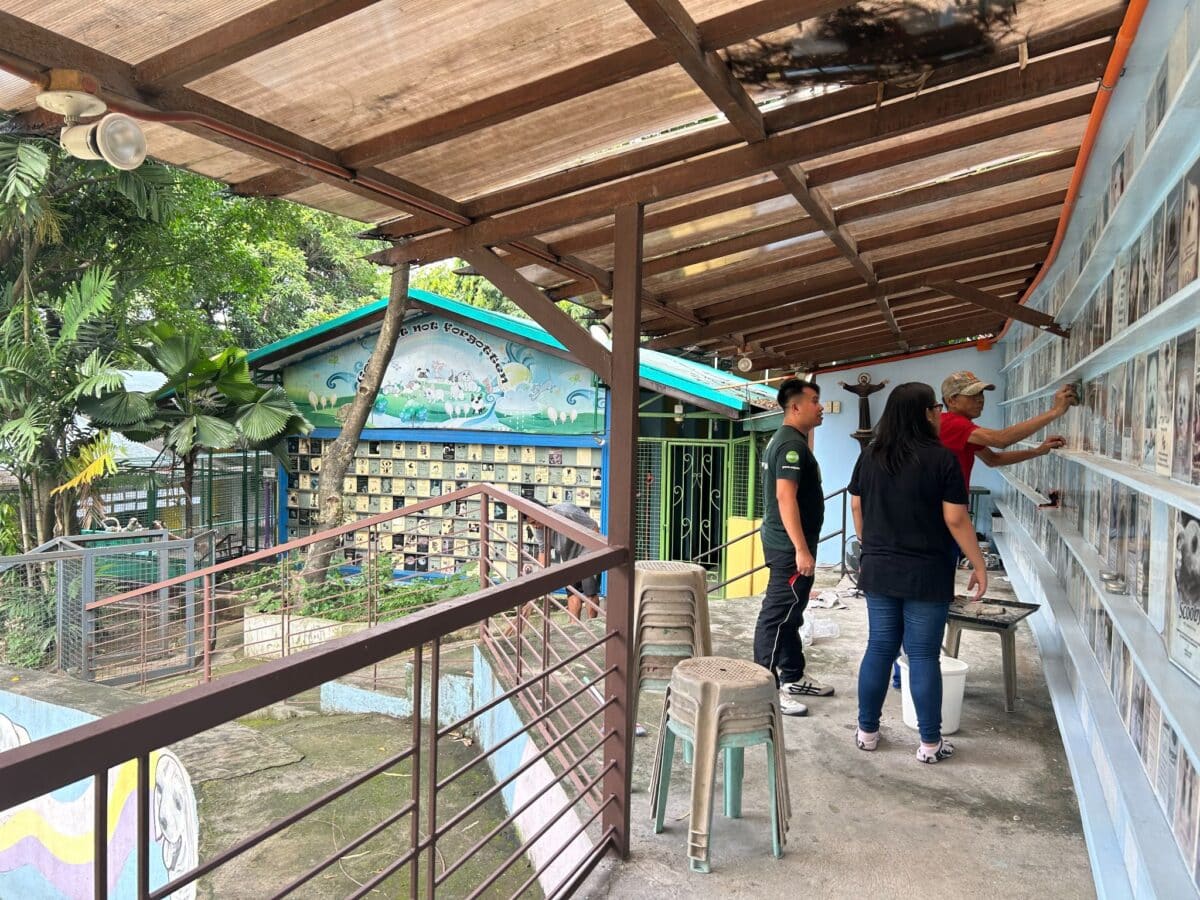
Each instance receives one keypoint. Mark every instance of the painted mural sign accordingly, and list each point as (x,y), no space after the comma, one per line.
(448,375)
(46,844)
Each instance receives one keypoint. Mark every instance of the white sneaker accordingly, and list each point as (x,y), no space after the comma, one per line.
(790,706)
(807,687)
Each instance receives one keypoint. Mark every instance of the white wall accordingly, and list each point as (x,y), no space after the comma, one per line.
(837,451)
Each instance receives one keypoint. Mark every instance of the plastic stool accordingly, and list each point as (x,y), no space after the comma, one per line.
(718,705)
(671,620)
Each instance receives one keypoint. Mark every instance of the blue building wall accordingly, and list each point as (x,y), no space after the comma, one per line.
(837,451)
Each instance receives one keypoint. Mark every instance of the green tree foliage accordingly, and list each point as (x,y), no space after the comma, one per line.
(208,402)
(249,271)
(181,248)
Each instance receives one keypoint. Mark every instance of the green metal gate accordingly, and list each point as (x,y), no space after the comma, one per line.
(687,490)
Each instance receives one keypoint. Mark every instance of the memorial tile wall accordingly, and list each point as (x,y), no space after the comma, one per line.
(1115,516)
(390,474)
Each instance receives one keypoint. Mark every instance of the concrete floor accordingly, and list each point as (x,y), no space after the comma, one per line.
(998,820)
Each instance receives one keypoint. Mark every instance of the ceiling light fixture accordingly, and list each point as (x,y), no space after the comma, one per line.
(116,138)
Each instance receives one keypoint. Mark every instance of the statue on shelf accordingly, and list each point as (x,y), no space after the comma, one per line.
(864,389)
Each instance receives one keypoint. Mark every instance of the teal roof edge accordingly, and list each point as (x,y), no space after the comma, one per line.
(652,366)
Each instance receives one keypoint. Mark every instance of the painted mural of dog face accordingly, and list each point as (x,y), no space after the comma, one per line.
(175,820)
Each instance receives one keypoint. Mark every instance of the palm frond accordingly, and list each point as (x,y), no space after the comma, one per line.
(85,300)
(24,167)
(91,461)
(97,377)
(120,409)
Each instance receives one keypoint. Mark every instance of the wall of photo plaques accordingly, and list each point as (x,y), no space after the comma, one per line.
(390,474)
(1112,522)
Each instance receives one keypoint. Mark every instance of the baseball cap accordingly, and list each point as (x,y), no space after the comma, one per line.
(966,384)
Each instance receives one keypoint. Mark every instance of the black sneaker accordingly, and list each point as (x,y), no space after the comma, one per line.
(807,687)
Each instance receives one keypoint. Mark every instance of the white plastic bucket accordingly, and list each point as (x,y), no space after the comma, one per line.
(954,683)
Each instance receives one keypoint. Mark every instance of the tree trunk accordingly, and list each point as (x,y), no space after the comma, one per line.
(43,508)
(189,474)
(335,461)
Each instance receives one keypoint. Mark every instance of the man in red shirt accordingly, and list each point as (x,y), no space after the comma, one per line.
(962,396)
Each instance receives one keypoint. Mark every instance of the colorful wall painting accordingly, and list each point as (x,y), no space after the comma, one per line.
(46,844)
(449,375)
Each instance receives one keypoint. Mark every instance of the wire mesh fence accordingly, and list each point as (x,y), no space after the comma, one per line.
(234,496)
(45,597)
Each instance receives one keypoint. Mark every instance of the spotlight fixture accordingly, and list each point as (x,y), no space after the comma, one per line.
(744,364)
(116,138)
(678,411)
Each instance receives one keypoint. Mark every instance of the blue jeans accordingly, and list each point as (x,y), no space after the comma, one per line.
(918,625)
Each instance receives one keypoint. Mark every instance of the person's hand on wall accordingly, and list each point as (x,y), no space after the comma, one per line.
(1053,442)
(1064,398)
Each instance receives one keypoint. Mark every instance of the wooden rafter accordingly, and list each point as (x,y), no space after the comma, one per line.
(711,296)
(909,198)
(577,81)
(240,38)
(542,310)
(991,90)
(1009,310)
(775,306)
(777,150)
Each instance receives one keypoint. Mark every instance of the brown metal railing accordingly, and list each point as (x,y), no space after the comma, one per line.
(841,532)
(564,695)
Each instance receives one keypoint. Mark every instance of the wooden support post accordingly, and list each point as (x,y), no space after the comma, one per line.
(623,405)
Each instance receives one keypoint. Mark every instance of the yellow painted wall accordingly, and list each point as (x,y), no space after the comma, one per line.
(744,556)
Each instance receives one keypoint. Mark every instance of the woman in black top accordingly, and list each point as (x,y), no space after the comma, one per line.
(910,508)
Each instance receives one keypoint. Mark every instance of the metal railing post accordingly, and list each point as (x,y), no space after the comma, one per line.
(844,495)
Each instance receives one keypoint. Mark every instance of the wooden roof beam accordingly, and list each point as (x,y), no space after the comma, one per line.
(1004,286)
(542,310)
(729,28)
(1041,77)
(240,38)
(777,150)
(751,296)
(869,346)
(795,179)
(908,198)
(863,330)
(1009,310)
(648,56)
(779,303)
(673,26)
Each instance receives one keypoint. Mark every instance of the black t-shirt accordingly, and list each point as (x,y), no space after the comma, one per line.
(787,456)
(907,550)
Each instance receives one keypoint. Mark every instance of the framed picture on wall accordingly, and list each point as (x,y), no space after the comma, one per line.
(1195,424)
(1185,384)
(1189,227)
(1183,595)
(1171,242)
(1166,408)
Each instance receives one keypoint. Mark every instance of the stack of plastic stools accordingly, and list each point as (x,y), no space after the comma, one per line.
(715,704)
(670,602)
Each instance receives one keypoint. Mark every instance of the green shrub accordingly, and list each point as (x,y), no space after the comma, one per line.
(343,597)
(27,627)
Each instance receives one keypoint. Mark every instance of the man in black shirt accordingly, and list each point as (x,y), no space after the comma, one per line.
(793,510)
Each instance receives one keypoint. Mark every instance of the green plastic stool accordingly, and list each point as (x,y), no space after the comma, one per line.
(733,748)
